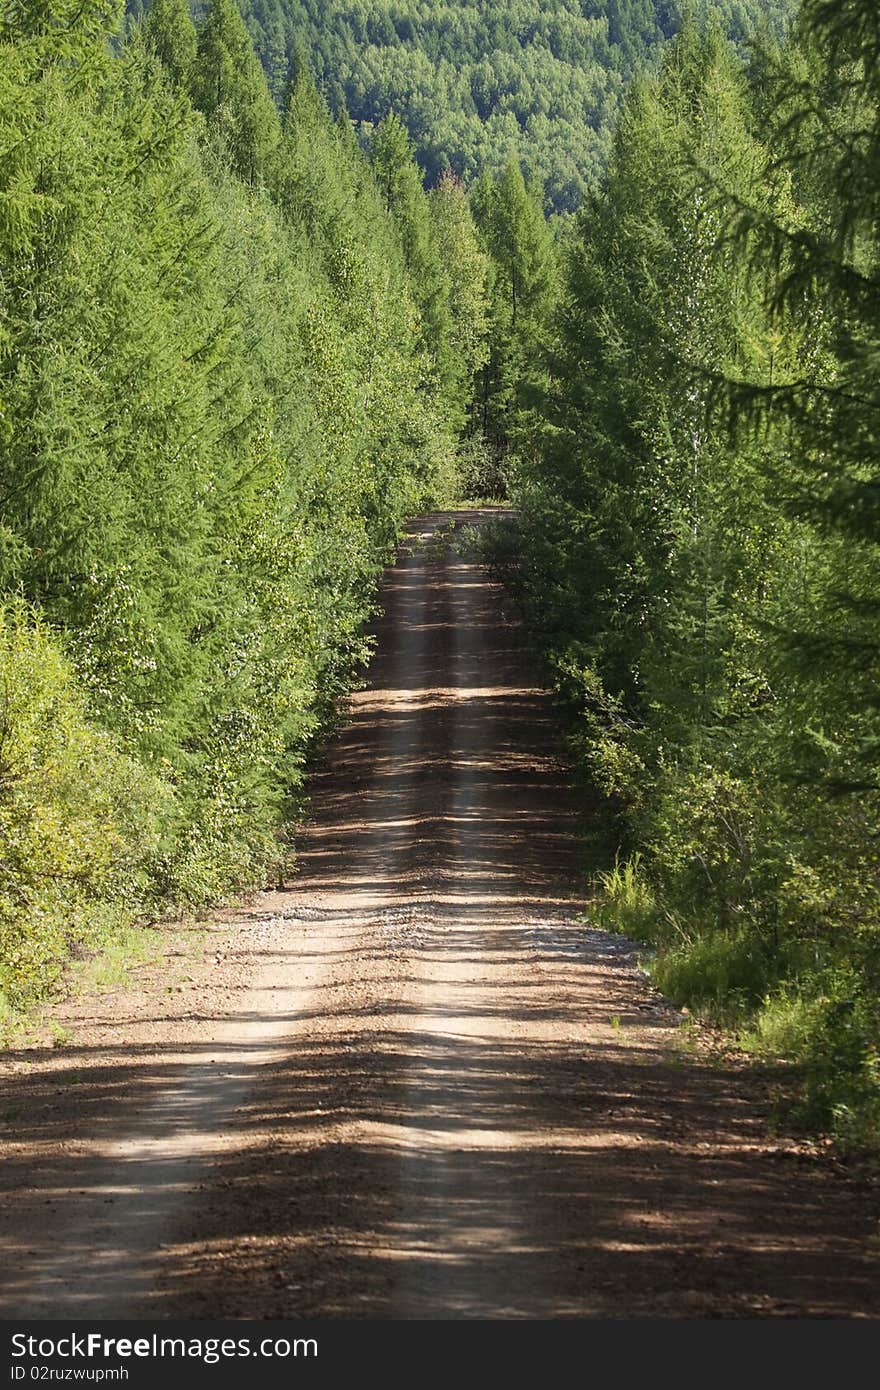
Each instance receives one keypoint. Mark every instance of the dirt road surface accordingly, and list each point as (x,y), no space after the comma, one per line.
(415,1085)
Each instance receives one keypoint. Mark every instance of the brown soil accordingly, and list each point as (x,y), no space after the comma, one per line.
(415,1085)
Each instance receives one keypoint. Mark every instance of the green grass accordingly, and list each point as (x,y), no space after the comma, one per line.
(110,967)
(625,902)
(823,1027)
(59,1033)
(105,968)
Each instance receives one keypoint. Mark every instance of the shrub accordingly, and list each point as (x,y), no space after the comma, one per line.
(79,818)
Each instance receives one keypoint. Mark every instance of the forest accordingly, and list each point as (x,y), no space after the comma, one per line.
(700,529)
(257,310)
(479,85)
(229,365)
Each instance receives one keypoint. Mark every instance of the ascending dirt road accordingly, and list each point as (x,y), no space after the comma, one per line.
(415,1085)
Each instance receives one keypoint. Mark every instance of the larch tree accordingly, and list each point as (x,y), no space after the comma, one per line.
(170,34)
(228,86)
(467,268)
(524,283)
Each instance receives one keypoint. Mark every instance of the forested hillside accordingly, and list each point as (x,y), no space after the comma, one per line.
(477,85)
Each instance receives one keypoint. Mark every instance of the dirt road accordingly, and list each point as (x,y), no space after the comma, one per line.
(414,1085)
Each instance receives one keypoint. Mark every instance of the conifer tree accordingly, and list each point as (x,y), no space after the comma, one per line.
(229,87)
(820,262)
(702,532)
(400,181)
(169,32)
(524,282)
(467,270)
(215,412)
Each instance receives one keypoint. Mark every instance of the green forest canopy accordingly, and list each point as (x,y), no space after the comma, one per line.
(479,84)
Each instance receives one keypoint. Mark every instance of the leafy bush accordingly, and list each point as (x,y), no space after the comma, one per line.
(79,818)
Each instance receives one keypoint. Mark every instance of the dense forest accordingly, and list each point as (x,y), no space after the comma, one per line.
(700,536)
(231,361)
(479,85)
(255,311)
